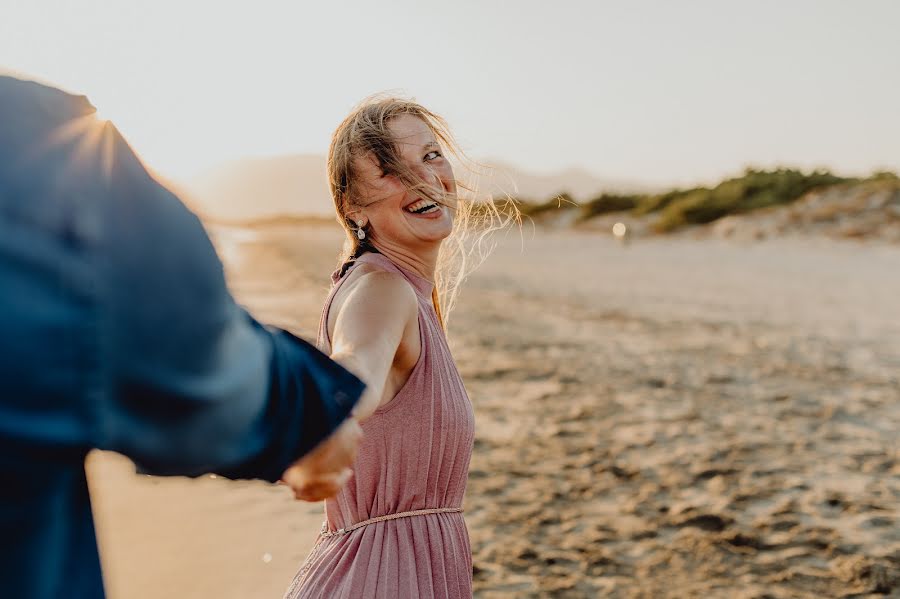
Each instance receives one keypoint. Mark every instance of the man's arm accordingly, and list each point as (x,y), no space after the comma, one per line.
(196,384)
(127,336)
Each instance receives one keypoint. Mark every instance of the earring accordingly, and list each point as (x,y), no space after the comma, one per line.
(360,232)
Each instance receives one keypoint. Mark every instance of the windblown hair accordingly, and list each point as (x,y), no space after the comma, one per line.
(365,132)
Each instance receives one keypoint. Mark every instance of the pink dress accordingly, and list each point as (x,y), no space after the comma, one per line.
(414,456)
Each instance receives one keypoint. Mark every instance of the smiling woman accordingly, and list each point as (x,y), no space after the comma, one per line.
(396,530)
(390,154)
(415,181)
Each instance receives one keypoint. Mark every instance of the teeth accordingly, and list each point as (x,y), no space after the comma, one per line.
(420,205)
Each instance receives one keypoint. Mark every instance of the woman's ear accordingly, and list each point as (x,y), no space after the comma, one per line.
(354,214)
(357,218)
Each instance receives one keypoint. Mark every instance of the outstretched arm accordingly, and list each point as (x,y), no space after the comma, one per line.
(119,330)
(196,384)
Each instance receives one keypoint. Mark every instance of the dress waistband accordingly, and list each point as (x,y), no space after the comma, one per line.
(343,531)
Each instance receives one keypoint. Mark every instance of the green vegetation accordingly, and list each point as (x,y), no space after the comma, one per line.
(655,203)
(608,203)
(562,200)
(754,190)
(678,208)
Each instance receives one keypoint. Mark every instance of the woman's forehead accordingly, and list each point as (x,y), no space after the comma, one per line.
(411,131)
(410,134)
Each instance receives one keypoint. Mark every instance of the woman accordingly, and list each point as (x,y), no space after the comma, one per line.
(396,529)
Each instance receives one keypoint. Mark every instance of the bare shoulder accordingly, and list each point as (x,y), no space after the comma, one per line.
(373,285)
(376,295)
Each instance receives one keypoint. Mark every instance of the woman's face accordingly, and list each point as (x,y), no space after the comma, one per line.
(397,216)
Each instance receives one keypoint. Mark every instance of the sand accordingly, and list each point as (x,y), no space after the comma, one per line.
(676,418)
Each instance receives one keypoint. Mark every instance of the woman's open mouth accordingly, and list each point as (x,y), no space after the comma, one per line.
(423,207)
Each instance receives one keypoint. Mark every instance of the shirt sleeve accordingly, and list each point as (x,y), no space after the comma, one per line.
(196,384)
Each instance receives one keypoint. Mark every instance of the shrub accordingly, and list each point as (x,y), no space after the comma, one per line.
(754,190)
(607,203)
(654,203)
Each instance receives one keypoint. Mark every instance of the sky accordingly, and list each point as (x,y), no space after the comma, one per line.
(650,91)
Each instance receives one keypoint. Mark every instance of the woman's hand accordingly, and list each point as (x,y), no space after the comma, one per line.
(321,473)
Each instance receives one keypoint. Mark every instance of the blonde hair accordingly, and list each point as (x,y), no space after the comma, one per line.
(365,132)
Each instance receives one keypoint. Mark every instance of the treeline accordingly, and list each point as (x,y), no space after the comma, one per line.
(677,208)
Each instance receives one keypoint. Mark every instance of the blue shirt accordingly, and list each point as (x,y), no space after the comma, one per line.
(117,332)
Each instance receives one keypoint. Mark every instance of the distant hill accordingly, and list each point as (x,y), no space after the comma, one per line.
(296,185)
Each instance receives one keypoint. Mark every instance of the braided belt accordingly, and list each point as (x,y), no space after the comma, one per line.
(343,531)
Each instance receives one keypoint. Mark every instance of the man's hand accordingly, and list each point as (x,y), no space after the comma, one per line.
(322,472)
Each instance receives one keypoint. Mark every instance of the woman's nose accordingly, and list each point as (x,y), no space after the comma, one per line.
(431,176)
(440,177)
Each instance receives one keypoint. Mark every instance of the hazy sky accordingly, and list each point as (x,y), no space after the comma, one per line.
(652,91)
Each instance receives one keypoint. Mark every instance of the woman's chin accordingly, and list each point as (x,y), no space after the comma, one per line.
(433,226)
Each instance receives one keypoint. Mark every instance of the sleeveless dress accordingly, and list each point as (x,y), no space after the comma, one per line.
(414,455)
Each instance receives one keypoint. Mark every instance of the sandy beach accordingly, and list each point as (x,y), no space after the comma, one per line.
(676,418)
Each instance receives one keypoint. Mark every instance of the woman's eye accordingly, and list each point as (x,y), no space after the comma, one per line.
(432,155)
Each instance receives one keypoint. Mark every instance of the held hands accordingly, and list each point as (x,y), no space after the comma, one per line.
(322,472)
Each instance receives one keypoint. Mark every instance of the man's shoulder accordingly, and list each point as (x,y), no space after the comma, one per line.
(49,100)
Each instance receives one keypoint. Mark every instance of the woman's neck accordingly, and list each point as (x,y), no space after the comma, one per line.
(422,262)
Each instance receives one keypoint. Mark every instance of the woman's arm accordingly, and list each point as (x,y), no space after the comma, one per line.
(369,329)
